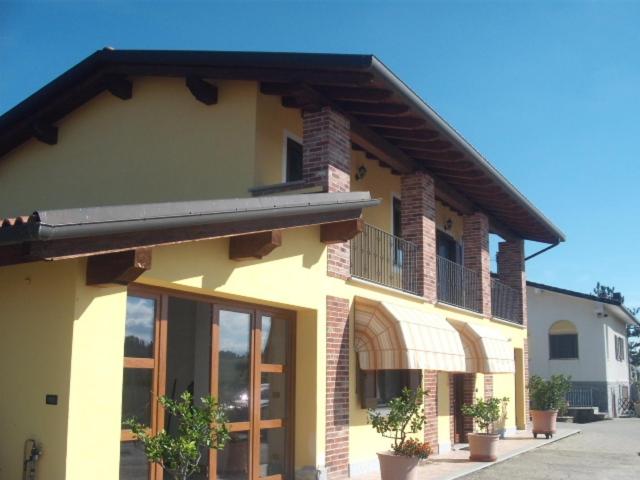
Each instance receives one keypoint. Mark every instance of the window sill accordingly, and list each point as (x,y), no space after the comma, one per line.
(299,186)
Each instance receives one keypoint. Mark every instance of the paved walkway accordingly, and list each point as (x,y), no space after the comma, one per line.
(456,464)
(604,450)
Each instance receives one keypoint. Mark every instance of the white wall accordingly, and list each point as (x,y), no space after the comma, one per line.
(617,371)
(545,308)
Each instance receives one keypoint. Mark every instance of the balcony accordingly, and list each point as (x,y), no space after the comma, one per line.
(458,285)
(382,258)
(505,302)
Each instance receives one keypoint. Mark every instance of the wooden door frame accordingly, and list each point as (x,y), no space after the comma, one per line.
(162,295)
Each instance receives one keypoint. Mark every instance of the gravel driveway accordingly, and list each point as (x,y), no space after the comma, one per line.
(604,450)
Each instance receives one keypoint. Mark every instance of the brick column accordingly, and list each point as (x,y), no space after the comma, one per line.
(452,410)
(326,162)
(475,238)
(337,394)
(511,272)
(468,397)
(430,385)
(418,214)
(488,386)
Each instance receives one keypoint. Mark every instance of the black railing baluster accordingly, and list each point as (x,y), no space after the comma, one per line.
(384,259)
(505,301)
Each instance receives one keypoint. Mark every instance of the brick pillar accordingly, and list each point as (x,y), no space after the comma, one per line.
(326,162)
(475,238)
(469,397)
(418,214)
(430,385)
(525,354)
(488,386)
(337,394)
(452,410)
(511,272)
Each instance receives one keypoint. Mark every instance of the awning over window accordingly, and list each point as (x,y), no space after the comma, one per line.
(486,349)
(392,337)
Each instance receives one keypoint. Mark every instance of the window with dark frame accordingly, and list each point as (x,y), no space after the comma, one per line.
(619,345)
(378,387)
(397,231)
(293,167)
(564,346)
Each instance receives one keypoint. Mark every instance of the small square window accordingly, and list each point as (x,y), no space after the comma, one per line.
(377,387)
(563,346)
(293,167)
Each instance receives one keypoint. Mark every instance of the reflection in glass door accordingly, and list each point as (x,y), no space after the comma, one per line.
(251,353)
(240,354)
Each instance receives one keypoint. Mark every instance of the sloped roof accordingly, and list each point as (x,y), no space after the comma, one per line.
(52,234)
(376,101)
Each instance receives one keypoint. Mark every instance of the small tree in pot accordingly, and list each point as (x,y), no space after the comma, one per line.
(547,397)
(405,417)
(482,445)
(199,428)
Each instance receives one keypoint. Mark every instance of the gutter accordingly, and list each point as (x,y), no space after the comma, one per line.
(122,219)
(388,76)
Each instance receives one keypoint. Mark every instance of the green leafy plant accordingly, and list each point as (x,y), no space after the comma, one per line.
(405,416)
(549,394)
(198,427)
(485,412)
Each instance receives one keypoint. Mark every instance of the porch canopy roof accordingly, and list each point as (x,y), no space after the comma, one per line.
(393,337)
(486,349)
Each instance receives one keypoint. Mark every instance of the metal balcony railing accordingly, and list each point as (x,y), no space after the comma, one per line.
(580,397)
(458,285)
(505,302)
(379,257)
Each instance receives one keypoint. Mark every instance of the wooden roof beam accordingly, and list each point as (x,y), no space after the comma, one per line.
(202,90)
(119,268)
(254,245)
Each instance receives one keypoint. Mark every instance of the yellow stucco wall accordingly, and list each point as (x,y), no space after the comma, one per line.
(381,184)
(161,145)
(95,394)
(272,121)
(36,326)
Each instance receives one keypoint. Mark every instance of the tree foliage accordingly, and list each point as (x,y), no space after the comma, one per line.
(549,394)
(199,428)
(405,416)
(485,412)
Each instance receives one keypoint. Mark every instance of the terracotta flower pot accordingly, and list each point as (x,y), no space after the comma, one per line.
(397,467)
(544,422)
(483,447)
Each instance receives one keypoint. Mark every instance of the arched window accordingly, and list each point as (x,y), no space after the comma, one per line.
(563,340)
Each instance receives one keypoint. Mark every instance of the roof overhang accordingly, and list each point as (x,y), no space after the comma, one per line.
(400,129)
(57,234)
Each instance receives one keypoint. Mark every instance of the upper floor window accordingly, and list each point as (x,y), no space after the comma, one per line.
(563,340)
(619,345)
(292,159)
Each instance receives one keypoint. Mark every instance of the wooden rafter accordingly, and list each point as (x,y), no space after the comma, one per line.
(119,268)
(202,90)
(254,245)
(339,232)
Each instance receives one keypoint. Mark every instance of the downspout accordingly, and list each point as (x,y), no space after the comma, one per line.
(545,249)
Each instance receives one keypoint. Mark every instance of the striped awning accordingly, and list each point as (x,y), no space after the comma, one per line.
(393,337)
(486,349)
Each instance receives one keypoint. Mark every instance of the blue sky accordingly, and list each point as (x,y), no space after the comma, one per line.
(547,91)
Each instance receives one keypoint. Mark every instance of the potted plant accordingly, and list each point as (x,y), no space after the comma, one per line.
(483,444)
(198,427)
(547,397)
(405,416)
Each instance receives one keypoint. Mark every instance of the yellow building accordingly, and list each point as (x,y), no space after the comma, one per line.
(299,235)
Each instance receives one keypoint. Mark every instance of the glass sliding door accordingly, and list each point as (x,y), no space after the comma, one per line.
(139,381)
(240,354)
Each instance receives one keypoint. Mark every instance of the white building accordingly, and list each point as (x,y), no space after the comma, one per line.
(583,336)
